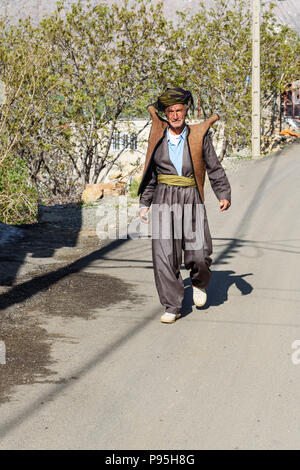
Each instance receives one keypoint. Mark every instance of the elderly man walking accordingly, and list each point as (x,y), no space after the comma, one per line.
(178,156)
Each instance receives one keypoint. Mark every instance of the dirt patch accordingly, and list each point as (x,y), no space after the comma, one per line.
(81,293)
(28,355)
(66,292)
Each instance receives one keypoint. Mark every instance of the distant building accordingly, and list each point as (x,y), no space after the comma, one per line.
(291,100)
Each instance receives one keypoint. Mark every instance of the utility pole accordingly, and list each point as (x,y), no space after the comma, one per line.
(256,129)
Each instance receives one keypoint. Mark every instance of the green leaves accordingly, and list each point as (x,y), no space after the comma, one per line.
(217,63)
(70,79)
(17,197)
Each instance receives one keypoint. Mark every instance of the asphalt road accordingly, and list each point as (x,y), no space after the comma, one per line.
(224,376)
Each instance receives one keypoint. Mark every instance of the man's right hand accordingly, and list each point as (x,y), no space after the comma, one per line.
(143,216)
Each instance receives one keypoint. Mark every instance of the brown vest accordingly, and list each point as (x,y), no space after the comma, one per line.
(195,144)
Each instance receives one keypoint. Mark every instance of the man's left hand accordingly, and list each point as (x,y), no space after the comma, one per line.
(224,205)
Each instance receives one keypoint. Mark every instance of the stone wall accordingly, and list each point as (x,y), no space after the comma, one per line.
(81,223)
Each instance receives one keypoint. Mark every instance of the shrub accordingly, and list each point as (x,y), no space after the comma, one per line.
(18,199)
(134,186)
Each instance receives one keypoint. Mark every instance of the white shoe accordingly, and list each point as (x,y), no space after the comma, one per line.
(169,317)
(199,296)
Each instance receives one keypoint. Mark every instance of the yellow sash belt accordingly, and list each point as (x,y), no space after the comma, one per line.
(177,180)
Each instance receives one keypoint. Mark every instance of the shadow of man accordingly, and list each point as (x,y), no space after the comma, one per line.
(217,290)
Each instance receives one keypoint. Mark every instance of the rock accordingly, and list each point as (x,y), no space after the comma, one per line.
(115,176)
(113,189)
(92,193)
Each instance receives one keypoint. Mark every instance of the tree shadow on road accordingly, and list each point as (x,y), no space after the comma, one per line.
(39,242)
(31,287)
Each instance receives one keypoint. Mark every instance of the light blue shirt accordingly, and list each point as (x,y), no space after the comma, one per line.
(176,151)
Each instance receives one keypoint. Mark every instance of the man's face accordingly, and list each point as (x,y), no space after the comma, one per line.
(176,115)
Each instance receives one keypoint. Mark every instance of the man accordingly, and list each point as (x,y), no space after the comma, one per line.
(177,159)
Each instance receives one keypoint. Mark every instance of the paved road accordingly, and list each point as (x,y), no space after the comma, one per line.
(220,377)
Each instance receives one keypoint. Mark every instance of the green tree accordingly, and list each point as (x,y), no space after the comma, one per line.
(70,80)
(17,196)
(280,60)
(110,58)
(19,68)
(218,64)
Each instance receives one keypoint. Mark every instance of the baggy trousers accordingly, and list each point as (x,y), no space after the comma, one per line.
(179,224)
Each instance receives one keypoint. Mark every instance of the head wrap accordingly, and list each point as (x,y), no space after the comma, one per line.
(174,96)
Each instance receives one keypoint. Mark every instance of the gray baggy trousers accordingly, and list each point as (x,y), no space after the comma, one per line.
(179,224)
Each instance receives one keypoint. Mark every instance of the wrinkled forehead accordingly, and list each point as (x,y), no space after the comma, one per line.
(175,107)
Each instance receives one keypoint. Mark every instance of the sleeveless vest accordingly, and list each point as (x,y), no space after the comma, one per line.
(194,145)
